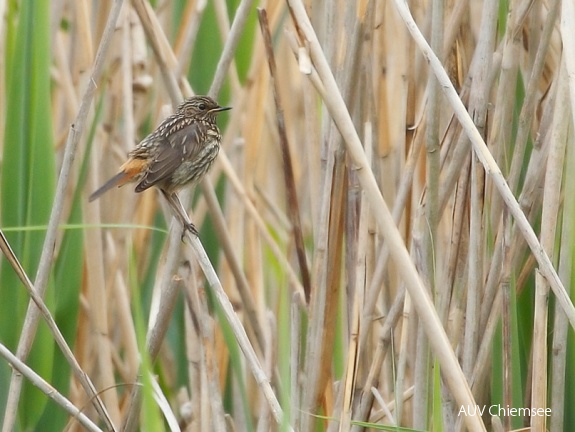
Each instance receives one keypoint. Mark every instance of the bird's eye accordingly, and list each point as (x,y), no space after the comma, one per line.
(202,106)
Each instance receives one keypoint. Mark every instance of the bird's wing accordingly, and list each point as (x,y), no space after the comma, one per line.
(180,145)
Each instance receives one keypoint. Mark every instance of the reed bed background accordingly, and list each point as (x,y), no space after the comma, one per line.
(393,227)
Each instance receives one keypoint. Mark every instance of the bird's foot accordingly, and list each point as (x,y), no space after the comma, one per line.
(191,228)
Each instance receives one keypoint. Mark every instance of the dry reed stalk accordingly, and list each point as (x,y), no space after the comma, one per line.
(123,295)
(211,399)
(155,32)
(19,365)
(261,225)
(422,302)
(242,284)
(495,173)
(292,200)
(357,325)
(549,217)
(560,324)
(186,37)
(224,27)
(430,241)
(47,389)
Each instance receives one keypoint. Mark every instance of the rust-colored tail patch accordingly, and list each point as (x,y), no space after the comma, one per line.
(128,172)
(132,168)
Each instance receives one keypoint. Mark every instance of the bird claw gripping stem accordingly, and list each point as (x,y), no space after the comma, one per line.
(191,228)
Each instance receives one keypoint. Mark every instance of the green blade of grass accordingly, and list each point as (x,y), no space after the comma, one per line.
(27,183)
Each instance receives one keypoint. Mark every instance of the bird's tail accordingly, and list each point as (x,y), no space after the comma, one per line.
(118,180)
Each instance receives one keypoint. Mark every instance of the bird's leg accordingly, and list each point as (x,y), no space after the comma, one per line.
(180,213)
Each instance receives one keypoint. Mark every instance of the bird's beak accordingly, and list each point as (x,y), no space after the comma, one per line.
(220,109)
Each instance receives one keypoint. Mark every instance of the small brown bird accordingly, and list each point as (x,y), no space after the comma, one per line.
(178,153)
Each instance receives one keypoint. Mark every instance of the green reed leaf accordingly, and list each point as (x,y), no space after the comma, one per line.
(27,182)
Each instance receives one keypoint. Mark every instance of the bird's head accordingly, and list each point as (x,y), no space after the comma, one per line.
(201,107)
